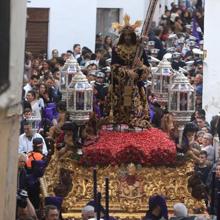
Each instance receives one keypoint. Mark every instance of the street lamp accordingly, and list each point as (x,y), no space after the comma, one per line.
(68,71)
(161,79)
(181,101)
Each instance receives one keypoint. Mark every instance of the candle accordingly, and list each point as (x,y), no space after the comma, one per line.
(212,203)
(218,205)
(99,205)
(107,198)
(95,186)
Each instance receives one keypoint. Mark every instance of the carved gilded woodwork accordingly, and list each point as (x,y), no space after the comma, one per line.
(129,190)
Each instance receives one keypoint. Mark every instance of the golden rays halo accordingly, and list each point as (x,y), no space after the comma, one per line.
(127,25)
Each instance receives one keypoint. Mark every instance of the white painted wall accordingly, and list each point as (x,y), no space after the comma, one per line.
(211,84)
(70,22)
(74,21)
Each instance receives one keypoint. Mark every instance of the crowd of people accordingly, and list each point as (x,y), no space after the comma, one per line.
(45,123)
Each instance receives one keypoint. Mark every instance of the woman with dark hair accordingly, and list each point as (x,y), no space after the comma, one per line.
(165,33)
(186,17)
(43,93)
(188,141)
(108,46)
(178,25)
(45,70)
(157,208)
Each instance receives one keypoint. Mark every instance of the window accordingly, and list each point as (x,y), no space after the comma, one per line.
(4,44)
(105,17)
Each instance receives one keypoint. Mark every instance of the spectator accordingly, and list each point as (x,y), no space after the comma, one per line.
(51,212)
(26,140)
(36,154)
(88,212)
(99,41)
(25,209)
(53,92)
(201,122)
(27,114)
(27,65)
(188,139)
(43,94)
(34,80)
(157,208)
(181,212)
(77,51)
(203,167)
(198,84)
(22,174)
(199,137)
(36,104)
(107,47)
(158,43)
(45,70)
(208,147)
(178,25)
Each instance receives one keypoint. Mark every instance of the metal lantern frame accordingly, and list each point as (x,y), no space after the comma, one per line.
(181,99)
(35,123)
(79,98)
(161,80)
(68,71)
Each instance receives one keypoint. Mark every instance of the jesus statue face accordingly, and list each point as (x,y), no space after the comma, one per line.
(127,38)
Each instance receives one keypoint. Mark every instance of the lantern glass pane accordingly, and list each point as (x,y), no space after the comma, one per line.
(183,101)
(173,104)
(165,84)
(79,86)
(89,100)
(79,100)
(69,78)
(157,83)
(62,82)
(183,87)
(35,123)
(176,87)
(165,71)
(191,101)
(70,103)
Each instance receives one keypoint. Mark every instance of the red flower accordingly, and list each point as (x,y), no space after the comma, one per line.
(150,147)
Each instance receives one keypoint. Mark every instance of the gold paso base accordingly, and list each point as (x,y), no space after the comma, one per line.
(129,187)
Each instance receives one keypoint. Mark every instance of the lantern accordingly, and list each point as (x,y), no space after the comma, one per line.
(181,98)
(79,98)
(181,101)
(161,79)
(68,71)
(171,40)
(35,123)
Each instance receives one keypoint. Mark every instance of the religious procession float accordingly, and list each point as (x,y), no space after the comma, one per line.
(125,159)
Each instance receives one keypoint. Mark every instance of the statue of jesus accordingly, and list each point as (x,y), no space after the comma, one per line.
(128,94)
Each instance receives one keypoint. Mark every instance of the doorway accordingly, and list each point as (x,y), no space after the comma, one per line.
(37,31)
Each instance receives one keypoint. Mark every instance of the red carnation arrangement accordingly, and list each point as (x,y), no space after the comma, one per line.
(149,147)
